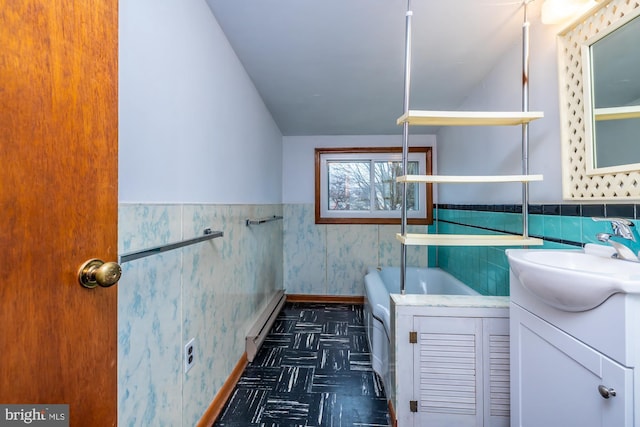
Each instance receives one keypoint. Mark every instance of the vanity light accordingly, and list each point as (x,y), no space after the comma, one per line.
(559,11)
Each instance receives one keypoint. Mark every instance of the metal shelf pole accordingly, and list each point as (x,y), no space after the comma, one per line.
(525,126)
(405,143)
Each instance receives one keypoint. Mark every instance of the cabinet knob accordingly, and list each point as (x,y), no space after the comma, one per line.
(606,392)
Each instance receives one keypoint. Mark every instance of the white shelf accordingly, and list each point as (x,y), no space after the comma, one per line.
(459,179)
(617,113)
(468,118)
(467,240)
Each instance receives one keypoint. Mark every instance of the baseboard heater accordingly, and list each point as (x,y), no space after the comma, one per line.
(261,328)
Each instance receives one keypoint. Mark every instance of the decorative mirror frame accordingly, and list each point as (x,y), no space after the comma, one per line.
(576,183)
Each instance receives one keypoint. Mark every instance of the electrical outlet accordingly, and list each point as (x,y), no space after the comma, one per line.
(189,355)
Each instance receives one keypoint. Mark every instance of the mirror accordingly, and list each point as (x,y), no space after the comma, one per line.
(599,83)
(611,74)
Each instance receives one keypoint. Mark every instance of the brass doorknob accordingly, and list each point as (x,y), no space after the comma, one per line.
(96,272)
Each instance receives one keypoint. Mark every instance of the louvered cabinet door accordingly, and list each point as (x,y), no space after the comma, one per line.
(448,371)
(496,395)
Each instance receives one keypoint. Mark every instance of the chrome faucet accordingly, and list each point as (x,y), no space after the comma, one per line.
(623,238)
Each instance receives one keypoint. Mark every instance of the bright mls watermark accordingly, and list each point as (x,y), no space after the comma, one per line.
(35,415)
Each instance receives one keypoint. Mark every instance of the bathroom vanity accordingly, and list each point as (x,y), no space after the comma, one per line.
(574,364)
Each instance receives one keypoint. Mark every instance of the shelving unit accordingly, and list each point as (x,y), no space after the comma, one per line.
(467,240)
(617,113)
(463,179)
(466,118)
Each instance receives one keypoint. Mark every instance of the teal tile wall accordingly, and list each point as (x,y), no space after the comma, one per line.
(486,268)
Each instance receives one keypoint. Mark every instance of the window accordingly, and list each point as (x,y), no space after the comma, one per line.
(358,186)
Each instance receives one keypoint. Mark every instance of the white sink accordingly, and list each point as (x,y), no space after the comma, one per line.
(573,280)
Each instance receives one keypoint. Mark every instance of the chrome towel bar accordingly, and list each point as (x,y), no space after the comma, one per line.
(262,220)
(130,256)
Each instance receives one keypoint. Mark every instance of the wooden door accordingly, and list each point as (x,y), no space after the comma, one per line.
(58,204)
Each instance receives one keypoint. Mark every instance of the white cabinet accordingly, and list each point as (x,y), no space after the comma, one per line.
(557,379)
(450,363)
(574,368)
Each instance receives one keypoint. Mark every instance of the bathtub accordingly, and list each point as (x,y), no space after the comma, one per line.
(378,284)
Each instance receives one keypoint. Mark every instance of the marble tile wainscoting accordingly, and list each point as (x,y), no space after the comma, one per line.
(486,269)
(332,259)
(211,291)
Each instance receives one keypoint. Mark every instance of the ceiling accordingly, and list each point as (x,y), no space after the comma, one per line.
(336,67)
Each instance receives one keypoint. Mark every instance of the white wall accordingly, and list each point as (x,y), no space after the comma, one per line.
(193,128)
(497,150)
(471,150)
(298,158)
(197,148)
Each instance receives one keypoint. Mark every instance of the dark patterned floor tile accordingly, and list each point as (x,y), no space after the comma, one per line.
(357,329)
(269,356)
(244,406)
(304,306)
(335,328)
(259,378)
(283,325)
(360,361)
(345,316)
(334,359)
(301,358)
(335,342)
(288,313)
(305,341)
(339,410)
(287,409)
(242,424)
(359,343)
(313,370)
(294,380)
(308,327)
(340,308)
(308,316)
(359,314)
(277,340)
(352,383)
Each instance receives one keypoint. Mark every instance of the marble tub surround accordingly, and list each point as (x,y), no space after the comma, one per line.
(332,259)
(211,291)
(460,301)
